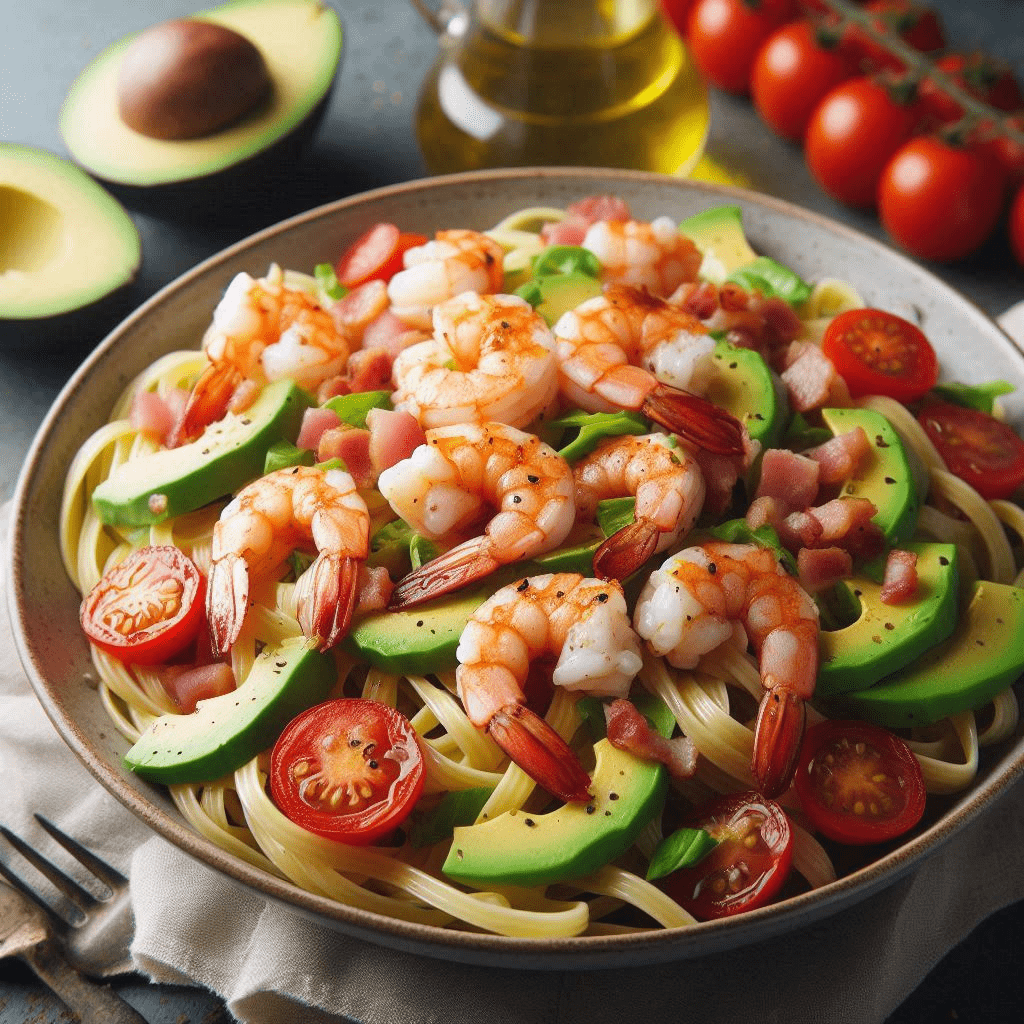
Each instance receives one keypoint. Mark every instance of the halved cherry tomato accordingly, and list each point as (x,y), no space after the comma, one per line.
(146,608)
(376,255)
(879,353)
(747,867)
(348,769)
(976,447)
(858,783)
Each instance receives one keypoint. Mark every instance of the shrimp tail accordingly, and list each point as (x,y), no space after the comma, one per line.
(325,598)
(540,752)
(694,419)
(227,600)
(626,550)
(777,735)
(207,403)
(463,564)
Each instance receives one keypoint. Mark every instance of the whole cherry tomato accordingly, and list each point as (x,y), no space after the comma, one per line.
(987,79)
(792,72)
(994,140)
(918,26)
(725,35)
(940,202)
(676,12)
(851,136)
(1016,223)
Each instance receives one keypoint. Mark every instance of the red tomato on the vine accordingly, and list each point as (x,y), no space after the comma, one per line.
(725,35)
(994,141)
(987,79)
(792,72)
(676,12)
(917,25)
(1016,224)
(851,136)
(940,202)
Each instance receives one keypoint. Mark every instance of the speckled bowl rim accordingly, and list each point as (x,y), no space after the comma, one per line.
(656,946)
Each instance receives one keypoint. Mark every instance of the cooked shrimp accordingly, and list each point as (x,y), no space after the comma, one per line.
(455,261)
(261,331)
(712,593)
(613,351)
(669,490)
(655,256)
(492,358)
(584,624)
(449,483)
(268,519)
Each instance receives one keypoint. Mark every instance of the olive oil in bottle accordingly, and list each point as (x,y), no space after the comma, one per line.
(599,83)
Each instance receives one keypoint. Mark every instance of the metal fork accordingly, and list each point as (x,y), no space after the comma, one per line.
(54,943)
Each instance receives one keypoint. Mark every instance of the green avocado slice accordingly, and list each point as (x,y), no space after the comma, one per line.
(228,454)
(745,386)
(719,235)
(885,477)
(520,848)
(225,732)
(555,294)
(887,637)
(980,660)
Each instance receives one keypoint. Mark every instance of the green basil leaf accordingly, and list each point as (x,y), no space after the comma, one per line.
(282,454)
(684,848)
(594,427)
(974,396)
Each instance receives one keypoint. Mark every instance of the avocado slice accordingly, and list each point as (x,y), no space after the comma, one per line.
(66,242)
(885,477)
(300,41)
(225,732)
(520,848)
(555,294)
(719,235)
(887,637)
(980,660)
(745,386)
(228,454)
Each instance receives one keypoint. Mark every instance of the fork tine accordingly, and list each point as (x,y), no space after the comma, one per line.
(79,896)
(107,874)
(29,893)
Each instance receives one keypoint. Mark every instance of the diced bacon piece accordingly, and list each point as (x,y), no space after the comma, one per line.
(394,436)
(811,379)
(354,312)
(154,415)
(369,369)
(822,568)
(800,530)
(766,511)
(352,446)
(899,583)
(390,333)
(186,685)
(846,522)
(375,587)
(629,730)
(782,325)
(314,423)
(839,458)
(790,477)
(570,231)
(333,387)
(595,208)
(697,297)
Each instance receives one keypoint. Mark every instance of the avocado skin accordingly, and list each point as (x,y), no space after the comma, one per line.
(227,455)
(980,660)
(888,637)
(225,732)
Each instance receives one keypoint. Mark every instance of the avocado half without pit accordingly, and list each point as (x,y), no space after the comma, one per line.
(65,245)
(191,98)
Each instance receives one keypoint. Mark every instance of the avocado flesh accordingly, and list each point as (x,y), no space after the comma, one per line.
(300,41)
(520,848)
(225,732)
(887,637)
(745,386)
(718,233)
(884,477)
(980,660)
(65,243)
(228,454)
(560,293)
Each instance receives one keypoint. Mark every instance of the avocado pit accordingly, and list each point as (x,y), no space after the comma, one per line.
(187,79)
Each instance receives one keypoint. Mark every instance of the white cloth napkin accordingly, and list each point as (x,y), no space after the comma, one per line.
(195,927)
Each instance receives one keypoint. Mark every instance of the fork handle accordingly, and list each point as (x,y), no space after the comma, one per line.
(95,1004)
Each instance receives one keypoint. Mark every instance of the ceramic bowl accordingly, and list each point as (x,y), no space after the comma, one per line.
(45,606)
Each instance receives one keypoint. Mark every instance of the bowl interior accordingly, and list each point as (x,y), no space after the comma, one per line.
(45,605)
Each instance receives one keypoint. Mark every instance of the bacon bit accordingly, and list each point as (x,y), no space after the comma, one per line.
(156,415)
(570,231)
(375,587)
(352,446)
(899,583)
(822,568)
(789,477)
(811,379)
(579,217)
(369,369)
(315,422)
(766,511)
(391,334)
(800,530)
(186,685)
(721,472)
(333,387)
(840,458)
(846,522)
(629,730)
(394,436)
(355,311)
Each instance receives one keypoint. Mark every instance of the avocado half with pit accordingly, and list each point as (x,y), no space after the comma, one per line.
(300,42)
(65,243)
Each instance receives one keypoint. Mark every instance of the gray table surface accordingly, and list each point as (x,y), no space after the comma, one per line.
(366,140)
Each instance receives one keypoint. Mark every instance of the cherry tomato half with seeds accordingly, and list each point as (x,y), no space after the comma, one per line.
(976,447)
(747,867)
(858,783)
(349,770)
(376,255)
(879,353)
(146,608)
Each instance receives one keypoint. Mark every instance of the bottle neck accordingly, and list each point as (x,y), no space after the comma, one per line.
(564,23)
